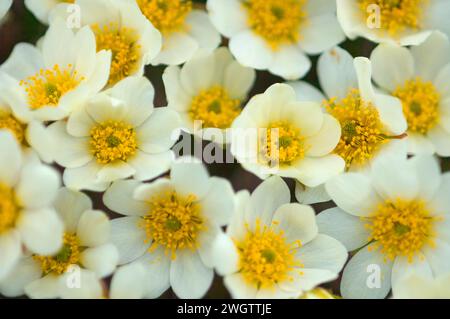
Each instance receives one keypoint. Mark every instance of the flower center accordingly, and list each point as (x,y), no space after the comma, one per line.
(123,43)
(173,222)
(361,127)
(281,143)
(10,123)
(265,258)
(420,104)
(9,208)
(277,22)
(401,228)
(112,141)
(67,256)
(396,15)
(166,15)
(214,108)
(46,87)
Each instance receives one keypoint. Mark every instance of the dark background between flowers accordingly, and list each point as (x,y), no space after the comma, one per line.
(22,26)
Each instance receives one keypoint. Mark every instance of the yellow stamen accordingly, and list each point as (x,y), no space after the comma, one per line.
(113,141)
(362,130)
(215,108)
(126,51)
(48,86)
(401,228)
(174,222)
(265,257)
(396,16)
(67,256)
(278,22)
(166,15)
(9,208)
(287,147)
(420,104)
(10,123)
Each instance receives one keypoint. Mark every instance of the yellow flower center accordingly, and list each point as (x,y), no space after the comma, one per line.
(277,22)
(396,15)
(47,86)
(265,257)
(281,144)
(362,130)
(67,256)
(9,208)
(420,104)
(126,51)
(10,123)
(112,141)
(174,222)
(401,228)
(214,108)
(166,15)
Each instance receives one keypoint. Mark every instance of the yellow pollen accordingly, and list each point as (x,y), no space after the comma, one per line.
(174,222)
(281,143)
(9,208)
(420,104)
(67,256)
(401,228)
(47,86)
(396,16)
(265,258)
(113,141)
(166,15)
(126,51)
(362,132)
(10,123)
(215,108)
(277,22)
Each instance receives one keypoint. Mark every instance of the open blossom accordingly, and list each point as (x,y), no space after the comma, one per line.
(272,248)
(49,82)
(27,191)
(170,226)
(406,22)
(277,134)
(184,29)
(75,271)
(208,90)
(276,35)
(118,134)
(119,27)
(420,78)
(396,219)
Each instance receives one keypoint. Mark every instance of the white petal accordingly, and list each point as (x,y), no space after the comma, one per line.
(428,173)
(149,166)
(306,92)
(227,16)
(404,267)
(238,80)
(441,200)
(84,177)
(363,70)
(101,259)
(189,176)
(239,288)
(127,282)
(251,50)
(38,138)
(419,144)
(189,277)
(26,271)
(201,29)
(90,286)
(438,257)
(348,229)
(130,239)
(326,139)
(226,255)
(177,49)
(44,288)
(11,249)
(70,205)
(441,140)
(114,171)
(311,195)
(93,228)
(313,172)
(391,113)
(290,63)
(10,153)
(119,198)
(305,279)
(218,203)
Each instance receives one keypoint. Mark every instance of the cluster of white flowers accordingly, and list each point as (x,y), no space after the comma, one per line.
(77,119)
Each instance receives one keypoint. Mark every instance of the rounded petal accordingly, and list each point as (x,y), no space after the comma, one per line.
(290,63)
(313,172)
(26,271)
(70,205)
(251,50)
(11,249)
(10,153)
(226,255)
(127,282)
(119,198)
(189,176)
(218,203)
(102,260)
(93,228)
(227,16)
(326,139)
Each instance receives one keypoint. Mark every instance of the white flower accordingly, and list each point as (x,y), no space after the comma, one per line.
(396,219)
(27,190)
(210,88)
(120,28)
(49,83)
(4,7)
(118,134)
(275,35)
(372,123)
(42,9)
(287,137)
(273,249)
(408,22)
(420,78)
(75,271)
(422,286)
(184,29)
(170,226)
